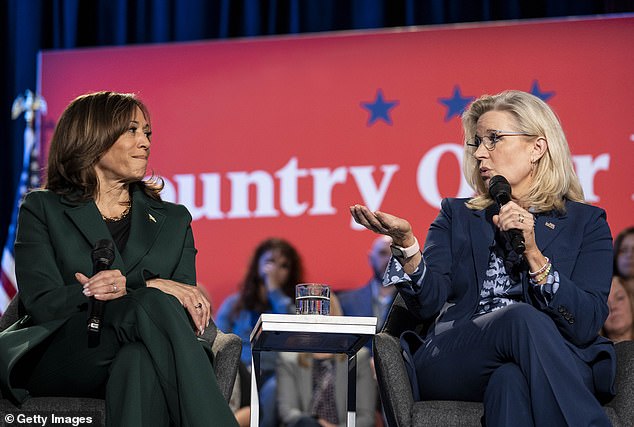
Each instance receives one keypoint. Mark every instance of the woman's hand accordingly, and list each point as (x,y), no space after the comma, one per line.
(383,223)
(512,216)
(191,297)
(275,273)
(104,286)
(397,228)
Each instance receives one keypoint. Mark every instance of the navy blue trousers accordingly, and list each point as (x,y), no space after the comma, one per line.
(516,362)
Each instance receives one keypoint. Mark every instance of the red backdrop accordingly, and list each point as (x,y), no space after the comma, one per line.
(278,136)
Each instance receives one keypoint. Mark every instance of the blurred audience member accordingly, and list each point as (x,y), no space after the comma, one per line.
(373,299)
(624,258)
(619,326)
(312,387)
(268,287)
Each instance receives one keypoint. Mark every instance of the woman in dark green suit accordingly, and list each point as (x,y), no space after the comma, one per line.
(148,364)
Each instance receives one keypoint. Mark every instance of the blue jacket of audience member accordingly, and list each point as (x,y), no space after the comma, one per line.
(242,324)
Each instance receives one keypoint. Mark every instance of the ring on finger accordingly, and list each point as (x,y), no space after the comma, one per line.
(114,288)
(521,218)
(199,306)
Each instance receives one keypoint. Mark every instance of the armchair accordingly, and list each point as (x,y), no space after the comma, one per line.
(226,349)
(401,410)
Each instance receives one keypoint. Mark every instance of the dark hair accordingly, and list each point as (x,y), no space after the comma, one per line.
(87,128)
(617,248)
(250,295)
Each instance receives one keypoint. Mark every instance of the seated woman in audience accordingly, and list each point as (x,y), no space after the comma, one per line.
(619,326)
(312,387)
(268,287)
(624,258)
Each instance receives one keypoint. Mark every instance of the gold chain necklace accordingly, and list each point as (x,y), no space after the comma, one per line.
(124,214)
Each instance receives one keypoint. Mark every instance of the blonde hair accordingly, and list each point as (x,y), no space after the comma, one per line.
(554,176)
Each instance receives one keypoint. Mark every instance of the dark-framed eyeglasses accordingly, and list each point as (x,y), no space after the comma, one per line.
(493,138)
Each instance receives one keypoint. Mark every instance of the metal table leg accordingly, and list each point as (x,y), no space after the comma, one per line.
(352,390)
(255,376)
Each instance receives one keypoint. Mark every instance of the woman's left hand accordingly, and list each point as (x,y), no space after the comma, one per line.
(191,297)
(106,285)
(512,216)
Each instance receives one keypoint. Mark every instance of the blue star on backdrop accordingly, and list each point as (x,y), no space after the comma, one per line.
(379,109)
(456,104)
(535,90)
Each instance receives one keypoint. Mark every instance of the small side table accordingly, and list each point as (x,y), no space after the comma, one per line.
(310,334)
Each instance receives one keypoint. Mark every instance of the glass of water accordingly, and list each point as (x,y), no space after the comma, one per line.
(312,298)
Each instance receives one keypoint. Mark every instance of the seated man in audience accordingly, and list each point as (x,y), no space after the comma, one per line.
(373,299)
(312,387)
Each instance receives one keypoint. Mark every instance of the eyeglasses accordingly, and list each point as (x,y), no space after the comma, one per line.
(493,138)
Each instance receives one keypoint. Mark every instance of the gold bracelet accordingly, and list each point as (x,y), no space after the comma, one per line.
(543,275)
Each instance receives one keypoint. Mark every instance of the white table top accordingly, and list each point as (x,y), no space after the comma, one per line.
(312,333)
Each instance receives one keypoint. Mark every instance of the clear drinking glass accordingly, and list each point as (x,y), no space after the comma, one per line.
(312,298)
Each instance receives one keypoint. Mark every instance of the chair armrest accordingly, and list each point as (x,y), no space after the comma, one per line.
(226,349)
(394,385)
(11,314)
(624,383)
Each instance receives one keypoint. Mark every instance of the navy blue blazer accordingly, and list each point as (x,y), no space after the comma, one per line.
(360,302)
(357,302)
(579,245)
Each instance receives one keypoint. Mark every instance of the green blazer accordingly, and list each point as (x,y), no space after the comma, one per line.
(55,239)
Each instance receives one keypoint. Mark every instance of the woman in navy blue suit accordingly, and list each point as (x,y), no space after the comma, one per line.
(517,330)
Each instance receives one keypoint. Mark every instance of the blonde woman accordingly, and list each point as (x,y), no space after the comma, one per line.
(515,329)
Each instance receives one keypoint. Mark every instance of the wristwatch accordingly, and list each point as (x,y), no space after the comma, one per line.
(404,253)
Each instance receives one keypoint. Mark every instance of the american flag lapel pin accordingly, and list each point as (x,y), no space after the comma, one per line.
(550,225)
(151,217)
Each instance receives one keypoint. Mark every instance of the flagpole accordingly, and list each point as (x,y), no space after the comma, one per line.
(30,105)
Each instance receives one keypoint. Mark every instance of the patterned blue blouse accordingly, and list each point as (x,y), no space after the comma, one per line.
(498,289)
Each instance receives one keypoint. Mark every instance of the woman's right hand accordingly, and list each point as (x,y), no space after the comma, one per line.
(106,285)
(191,297)
(397,228)
(274,275)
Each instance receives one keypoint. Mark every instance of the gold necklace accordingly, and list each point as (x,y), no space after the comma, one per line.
(123,214)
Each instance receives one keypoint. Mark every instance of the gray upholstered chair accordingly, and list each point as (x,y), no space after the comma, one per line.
(402,411)
(225,347)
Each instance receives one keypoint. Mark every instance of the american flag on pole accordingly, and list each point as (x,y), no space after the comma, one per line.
(29,178)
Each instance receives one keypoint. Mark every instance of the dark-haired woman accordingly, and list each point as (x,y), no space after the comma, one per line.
(268,287)
(148,364)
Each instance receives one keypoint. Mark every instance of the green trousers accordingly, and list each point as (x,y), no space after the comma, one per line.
(149,365)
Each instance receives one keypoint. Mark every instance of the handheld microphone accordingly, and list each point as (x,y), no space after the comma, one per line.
(102,259)
(500,191)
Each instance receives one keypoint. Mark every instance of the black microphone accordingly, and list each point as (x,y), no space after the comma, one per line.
(500,191)
(102,259)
